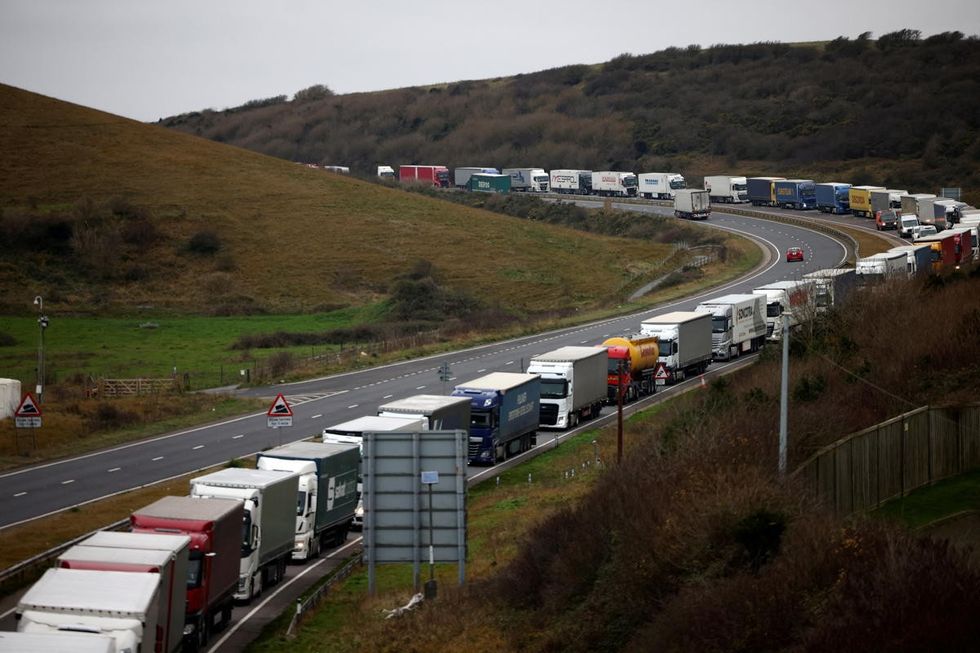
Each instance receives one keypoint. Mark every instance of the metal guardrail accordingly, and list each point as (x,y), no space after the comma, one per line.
(305,605)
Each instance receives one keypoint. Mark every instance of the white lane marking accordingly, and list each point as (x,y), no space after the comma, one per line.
(481,371)
(238,437)
(509,363)
(157,458)
(353,405)
(71,480)
(419,387)
(317,416)
(200,446)
(388,396)
(20,494)
(114,469)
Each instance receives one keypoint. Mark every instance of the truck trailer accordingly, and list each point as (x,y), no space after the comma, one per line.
(488,183)
(631,367)
(61,642)
(437,176)
(880,267)
(573,385)
(860,199)
(660,185)
(214,527)
(910,202)
(831,286)
(571,182)
(684,339)
(461,176)
(738,324)
(726,190)
(789,302)
(269,499)
(504,414)
(611,183)
(918,258)
(889,198)
(762,190)
(692,204)
(833,197)
(529,180)
(440,413)
(796,194)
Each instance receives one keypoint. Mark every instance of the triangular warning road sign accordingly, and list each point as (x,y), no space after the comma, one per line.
(661,372)
(280,407)
(28,407)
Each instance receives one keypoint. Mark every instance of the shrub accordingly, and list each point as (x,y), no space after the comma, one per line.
(7,340)
(204,242)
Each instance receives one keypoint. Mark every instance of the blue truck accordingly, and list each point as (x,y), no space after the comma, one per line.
(762,190)
(833,197)
(504,414)
(796,194)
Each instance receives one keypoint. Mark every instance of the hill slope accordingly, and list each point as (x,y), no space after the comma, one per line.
(104,213)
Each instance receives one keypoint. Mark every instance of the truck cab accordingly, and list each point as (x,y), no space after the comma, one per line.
(787,302)
(386,172)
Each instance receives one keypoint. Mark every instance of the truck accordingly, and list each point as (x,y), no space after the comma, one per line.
(214,527)
(633,361)
(738,324)
(482,182)
(440,413)
(726,190)
(889,198)
(831,286)
(386,172)
(789,302)
(947,249)
(611,183)
(762,190)
(461,176)
(117,604)
(529,180)
(918,258)
(684,339)
(937,211)
(880,267)
(659,185)
(327,494)
(796,194)
(504,414)
(692,204)
(60,642)
(860,200)
(571,182)
(166,563)
(437,176)
(833,197)
(573,385)
(269,499)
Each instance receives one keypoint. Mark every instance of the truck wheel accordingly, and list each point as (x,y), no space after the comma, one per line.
(203,632)
(225,615)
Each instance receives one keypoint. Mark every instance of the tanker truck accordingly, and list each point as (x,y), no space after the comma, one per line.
(636,358)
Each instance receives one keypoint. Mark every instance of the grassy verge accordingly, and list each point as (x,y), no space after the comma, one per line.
(868,243)
(929,504)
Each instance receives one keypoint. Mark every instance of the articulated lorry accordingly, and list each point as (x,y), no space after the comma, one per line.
(882,267)
(610,183)
(504,414)
(530,180)
(833,197)
(214,527)
(918,258)
(692,204)
(437,176)
(910,202)
(762,190)
(950,249)
(889,198)
(796,194)
(573,385)
(60,642)
(684,339)
(660,185)
(440,413)
(860,199)
(726,190)
(791,302)
(571,182)
(461,176)
(269,499)
(831,286)
(327,493)
(631,367)
(117,604)
(738,324)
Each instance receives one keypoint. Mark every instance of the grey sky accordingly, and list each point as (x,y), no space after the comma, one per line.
(151,59)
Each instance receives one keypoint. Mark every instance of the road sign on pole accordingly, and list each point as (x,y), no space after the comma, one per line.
(661,374)
(28,414)
(280,414)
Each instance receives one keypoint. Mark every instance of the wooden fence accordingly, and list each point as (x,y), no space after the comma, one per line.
(889,460)
(130,387)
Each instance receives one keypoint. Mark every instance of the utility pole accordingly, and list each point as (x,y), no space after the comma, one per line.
(619,413)
(784,399)
(42,324)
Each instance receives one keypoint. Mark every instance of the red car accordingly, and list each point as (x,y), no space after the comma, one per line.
(794,254)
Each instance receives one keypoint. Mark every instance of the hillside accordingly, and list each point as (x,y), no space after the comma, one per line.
(104,214)
(897,111)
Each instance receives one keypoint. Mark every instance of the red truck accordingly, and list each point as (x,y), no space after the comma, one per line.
(636,357)
(950,248)
(438,176)
(215,529)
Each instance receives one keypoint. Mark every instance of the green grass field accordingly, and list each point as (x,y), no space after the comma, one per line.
(928,504)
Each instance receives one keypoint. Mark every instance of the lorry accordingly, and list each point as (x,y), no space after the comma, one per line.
(269,499)
(692,204)
(611,183)
(939,212)
(60,642)
(504,414)
(762,190)
(117,604)
(482,182)
(947,249)
(386,172)
(530,180)
(633,361)
(440,413)
(831,286)
(860,200)
(327,491)
(833,197)
(918,258)
(880,267)
(571,182)
(659,185)
(889,198)
(789,302)
(461,176)
(910,202)
(796,194)
(437,176)
(684,340)
(738,324)
(573,385)
(214,527)
(726,190)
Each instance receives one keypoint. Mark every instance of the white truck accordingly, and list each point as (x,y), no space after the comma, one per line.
(386,172)
(610,183)
(831,286)
(269,499)
(692,204)
(910,202)
(441,413)
(659,185)
(571,182)
(882,267)
(738,324)
(530,180)
(727,190)
(60,642)
(327,494)
(792,301)
(573,384)
(117,604)
(919,258)
(684,339)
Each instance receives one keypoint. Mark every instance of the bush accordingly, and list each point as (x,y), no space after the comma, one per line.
(204,242)
(7,340)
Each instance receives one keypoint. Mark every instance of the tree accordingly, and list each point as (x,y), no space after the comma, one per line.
(313,93)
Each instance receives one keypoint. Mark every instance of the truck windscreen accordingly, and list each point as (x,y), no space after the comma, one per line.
(554,388)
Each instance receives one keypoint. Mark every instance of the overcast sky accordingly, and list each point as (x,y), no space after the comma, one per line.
(151,59)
